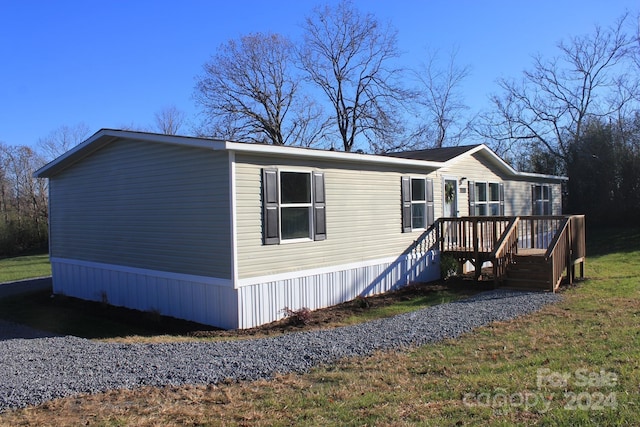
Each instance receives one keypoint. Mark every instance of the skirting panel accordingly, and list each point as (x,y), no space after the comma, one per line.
(264,302)
(200,299)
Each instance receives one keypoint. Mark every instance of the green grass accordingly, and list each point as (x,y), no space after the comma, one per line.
(24,267)
(406,306)
(481,378)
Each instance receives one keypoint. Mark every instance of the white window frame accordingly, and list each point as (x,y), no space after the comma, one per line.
(488,203)
(308,205)
(419,202)
(542,201)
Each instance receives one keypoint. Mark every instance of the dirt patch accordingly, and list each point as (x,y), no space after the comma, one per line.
(336,315)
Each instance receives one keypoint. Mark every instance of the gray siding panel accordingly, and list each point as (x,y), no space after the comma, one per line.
(145,205)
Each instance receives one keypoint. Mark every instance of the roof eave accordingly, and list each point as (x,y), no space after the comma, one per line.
(106,136)
(339,156)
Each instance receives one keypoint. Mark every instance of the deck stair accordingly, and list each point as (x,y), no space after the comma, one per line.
(528,270)
(526,252)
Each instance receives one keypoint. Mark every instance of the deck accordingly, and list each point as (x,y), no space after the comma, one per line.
(532,252)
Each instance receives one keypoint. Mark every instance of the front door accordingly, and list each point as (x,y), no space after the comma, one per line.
(450,205)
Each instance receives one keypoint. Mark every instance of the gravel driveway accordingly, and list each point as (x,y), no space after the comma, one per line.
(36,366)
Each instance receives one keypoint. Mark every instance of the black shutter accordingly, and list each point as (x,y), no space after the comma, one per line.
(430,209)
(550,203)
(501,185)
(406,204)
(319,205)
(472,198)
(533,200)
(270,209)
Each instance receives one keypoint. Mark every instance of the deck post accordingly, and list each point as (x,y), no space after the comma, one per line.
(476,249)
(570,266)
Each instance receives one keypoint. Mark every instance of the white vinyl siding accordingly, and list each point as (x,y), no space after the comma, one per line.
(145,205)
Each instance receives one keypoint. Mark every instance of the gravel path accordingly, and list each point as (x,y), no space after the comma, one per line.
(36,367)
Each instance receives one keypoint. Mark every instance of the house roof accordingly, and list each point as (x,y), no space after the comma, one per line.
(431,159)
(443,154)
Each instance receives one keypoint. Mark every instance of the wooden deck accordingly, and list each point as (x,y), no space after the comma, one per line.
(532,252)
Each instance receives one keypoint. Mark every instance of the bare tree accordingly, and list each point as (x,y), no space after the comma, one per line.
(443,121)
(23,200)
(169,120)
(249,91)
(61,140)
(349,56)
(550,106)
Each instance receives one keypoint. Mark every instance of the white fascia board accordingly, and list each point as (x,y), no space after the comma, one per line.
(106,136)
(189,141)
(493,156)
(338,156)
(542,176)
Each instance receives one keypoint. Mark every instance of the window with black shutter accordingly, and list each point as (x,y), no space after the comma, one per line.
(417,203)
(293,206)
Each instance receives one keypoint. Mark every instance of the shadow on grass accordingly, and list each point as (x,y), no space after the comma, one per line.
(93,320)
(605,241)
(86,319)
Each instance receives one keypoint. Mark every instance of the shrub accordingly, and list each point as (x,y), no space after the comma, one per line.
(448,266)
(301,316)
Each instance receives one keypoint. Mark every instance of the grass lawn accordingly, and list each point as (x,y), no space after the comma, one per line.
(574,363)
(24,267)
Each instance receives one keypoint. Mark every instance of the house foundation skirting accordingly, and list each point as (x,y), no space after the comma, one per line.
(214,301)
(207,300)
(264,300)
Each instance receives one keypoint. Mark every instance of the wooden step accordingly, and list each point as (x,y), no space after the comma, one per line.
(530,284)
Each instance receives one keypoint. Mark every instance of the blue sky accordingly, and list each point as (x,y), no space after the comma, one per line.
(115,63)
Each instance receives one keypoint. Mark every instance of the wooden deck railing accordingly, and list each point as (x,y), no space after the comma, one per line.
(505,250)
(567,249)
(428,240)
(537,232)
(497,239)
(472,233)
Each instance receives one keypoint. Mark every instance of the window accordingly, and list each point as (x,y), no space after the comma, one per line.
(541,199)
(417,203)
(293,206)
(486,198)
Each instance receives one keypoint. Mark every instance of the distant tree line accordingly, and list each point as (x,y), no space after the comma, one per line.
(342,86)
(604,170)
(23,201)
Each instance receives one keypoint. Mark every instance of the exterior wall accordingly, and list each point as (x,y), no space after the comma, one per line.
(262,300)
(363,217)
(365,251)
(200,299)
(519,201)
(145,205)
(475,168)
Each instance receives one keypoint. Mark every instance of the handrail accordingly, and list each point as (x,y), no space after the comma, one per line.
(498,239)
(428,239)
(510,231)
(506,247)
(556,239)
